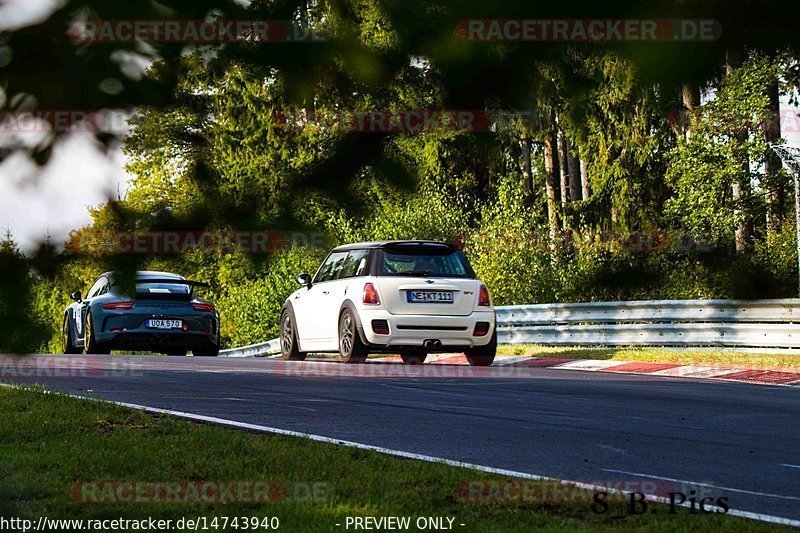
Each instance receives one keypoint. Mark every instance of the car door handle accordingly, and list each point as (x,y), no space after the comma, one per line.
(326,292)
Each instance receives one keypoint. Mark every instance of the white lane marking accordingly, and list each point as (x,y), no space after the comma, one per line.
(295,407)
(720,487)
(507,360)
(709,372)
(424,390)
(486,384)
(439,356)
(689,370)
(789,466)
(614,449)
(408,455)
(588,364)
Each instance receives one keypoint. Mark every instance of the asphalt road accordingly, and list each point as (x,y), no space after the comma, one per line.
(735,440)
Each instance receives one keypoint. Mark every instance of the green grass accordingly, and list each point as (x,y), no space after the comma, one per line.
(50,441)
(711,357)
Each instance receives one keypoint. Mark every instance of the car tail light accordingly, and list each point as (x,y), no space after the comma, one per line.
(484,300)
(370,295)
(380,326)
(203,307)
(117,306)
(481,329)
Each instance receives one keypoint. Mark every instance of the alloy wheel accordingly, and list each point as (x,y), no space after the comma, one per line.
(346,334)
(286,335)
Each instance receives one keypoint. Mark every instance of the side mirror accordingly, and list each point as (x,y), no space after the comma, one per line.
(303,279)
(76,296)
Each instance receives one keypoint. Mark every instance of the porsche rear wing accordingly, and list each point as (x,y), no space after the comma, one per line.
(163,294)
(172,281)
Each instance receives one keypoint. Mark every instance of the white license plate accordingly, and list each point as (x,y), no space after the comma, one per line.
(430,297)
(163,323)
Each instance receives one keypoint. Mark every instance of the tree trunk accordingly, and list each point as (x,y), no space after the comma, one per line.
(585,188)
(740,187)
(773,164)
(564,173)
(575,193)
(551,184)
(527,175)
(690,96)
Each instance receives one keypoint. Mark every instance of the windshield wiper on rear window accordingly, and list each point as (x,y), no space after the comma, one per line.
(421,273)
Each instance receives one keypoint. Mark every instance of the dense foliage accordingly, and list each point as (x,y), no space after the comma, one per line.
(596,176)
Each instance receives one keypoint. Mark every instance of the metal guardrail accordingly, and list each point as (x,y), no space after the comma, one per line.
(706,334)
(652,311)
(723,323)
(262,348)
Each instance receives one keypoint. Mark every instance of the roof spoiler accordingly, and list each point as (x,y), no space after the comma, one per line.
(434,245)
(420,247)
(172,280)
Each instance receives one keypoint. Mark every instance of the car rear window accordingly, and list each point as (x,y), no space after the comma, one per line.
(450,264)
(162,288)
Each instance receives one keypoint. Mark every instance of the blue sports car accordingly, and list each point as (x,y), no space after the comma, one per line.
(163,315)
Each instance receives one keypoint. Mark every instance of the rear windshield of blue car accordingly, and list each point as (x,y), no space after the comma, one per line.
(162,288)
(445,265)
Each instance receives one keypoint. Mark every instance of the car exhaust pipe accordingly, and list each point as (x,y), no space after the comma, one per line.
(432,343)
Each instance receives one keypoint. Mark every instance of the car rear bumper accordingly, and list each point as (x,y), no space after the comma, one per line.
(128,330)
(452,332)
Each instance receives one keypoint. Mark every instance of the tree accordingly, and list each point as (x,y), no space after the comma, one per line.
(551,166)
(773,178)
(20,332)
(711,171)
(740,185)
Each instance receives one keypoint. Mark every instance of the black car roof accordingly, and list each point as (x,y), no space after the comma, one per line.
(416,245)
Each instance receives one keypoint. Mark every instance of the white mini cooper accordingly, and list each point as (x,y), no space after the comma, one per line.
(406,297)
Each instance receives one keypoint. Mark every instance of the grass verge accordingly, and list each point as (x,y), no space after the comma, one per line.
(788,362)
(50,442)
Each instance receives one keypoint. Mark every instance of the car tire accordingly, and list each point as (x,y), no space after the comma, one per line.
(288,338)
(211,350)
(483,355)
(351,349)
(90,345)
(177,353)
(413,357)
(66,338)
